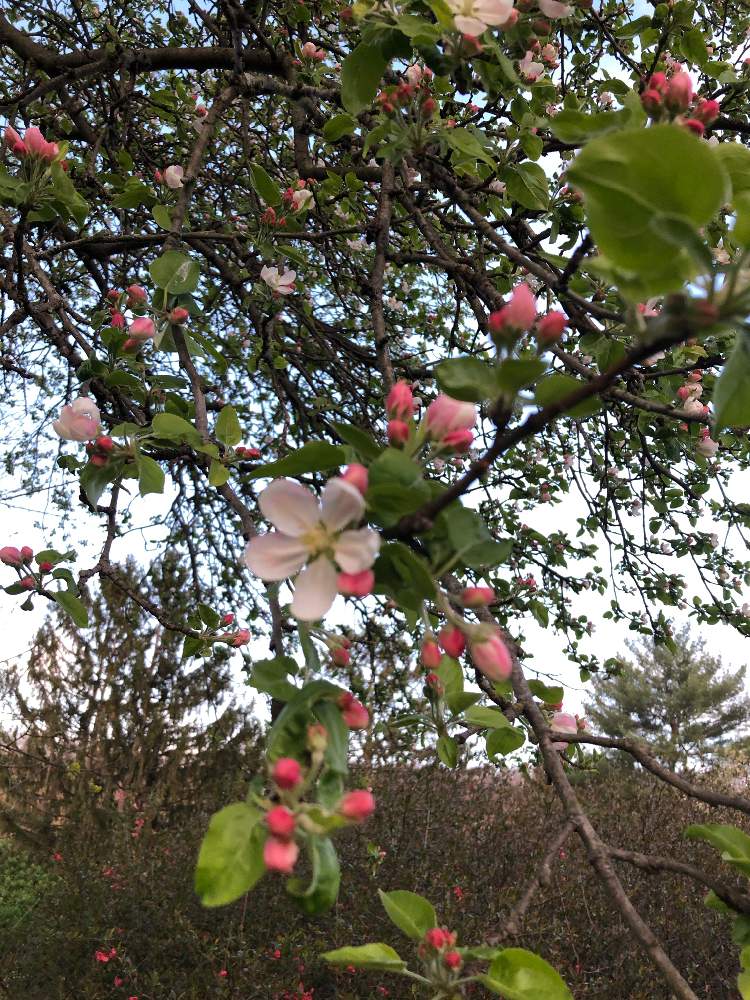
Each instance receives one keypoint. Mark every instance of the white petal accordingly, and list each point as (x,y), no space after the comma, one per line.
(469,25)
(275,556)
(315,590)
(493,11)
(289,507)
(342,504)
(357,550)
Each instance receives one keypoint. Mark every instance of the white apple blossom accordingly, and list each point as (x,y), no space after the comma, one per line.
(693,407)
(301,199)
(529,69)
(707,447)
(80,421)
(472,17)
(554,9)
(281,282)
(173,176)
(497,187)
(311,535)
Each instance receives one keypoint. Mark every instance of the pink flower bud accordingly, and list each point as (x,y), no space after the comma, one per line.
(37,145)
(227,619)
(11,556)
(45,567)
(398,432)
(178,315)
(142,329)
(458,441)
(652,101)
(452,960)
(694,125)
(516,315)
(492,656)
(113,295)
(353,712)
(430,654)
(658,81)
(706,111)
(563,722)
(117,320)
(679,93)
(356,584)
(341,656)
(452,640)
(551,327)
(445,415)
(280,822)
(477,597)
(357,806)
(286,772)
(14,141)
(158,177)
(437,938)
(241,637)
(399,403)
(280,855)
(28,583)
(136,294)
(27,553)
(358,476)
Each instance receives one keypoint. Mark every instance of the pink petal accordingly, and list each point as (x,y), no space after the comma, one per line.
(289,507)
(357,550)
(469,25)
(275,556)
(315,590)
(342,504)
(554,9)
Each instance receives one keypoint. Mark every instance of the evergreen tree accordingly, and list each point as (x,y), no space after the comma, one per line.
(684,703)
(112,717)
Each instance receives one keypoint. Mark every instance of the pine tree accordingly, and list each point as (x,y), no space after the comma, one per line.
(112,714)
(684,703)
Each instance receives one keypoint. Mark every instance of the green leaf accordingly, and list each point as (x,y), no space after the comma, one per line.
(133,195)
(570,125)
(265,186)
(368,448)
(517,373)
(227,428)
(95,479)
(287,736)
(736,161)
(410,912)
(337,750)
(64,191)
(693,46)
(447,750)
(322,891)
(732,842)
(162,217)
(175,272)
(555,387)
(230,861)
(466,142)
(487,718)
(410,569)
(468,379)
(173,428)
(315,456)
(339,126)
(629,177)
(500,742)
(550,695)
(528,185)
(218,474)
(150,475)
(270,677)
(518,974)
(73,606)
(732,391)
(366,956)
(361,73)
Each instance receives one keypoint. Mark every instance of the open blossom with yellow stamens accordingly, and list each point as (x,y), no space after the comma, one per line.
(311,538)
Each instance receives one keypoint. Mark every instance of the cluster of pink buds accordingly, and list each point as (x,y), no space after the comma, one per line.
(310,51)
(339,647)
(142,328)
(439,944)
(400,408)
(415,89)
(20,560)
(100,449)
(270,218)
(449,422)
(519,314)
(280,852)
(11,556)
(247,454)
(673,98)
(33,145)
(487,648)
